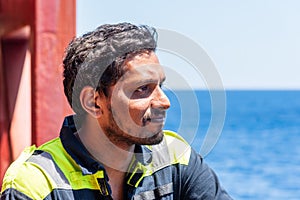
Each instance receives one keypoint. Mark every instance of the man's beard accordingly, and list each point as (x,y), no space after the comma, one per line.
(117,135)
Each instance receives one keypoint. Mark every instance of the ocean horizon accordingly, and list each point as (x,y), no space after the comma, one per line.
(256,154)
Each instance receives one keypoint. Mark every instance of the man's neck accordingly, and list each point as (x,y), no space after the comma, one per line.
(113,156)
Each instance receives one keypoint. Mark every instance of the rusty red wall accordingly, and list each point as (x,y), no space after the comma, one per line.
(54,27)
(51,26)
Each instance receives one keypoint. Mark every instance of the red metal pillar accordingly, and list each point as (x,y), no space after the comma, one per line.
(54,28)
(16,89)
(14,15)
(49,26)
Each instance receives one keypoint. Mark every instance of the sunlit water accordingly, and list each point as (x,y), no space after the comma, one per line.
(257,155)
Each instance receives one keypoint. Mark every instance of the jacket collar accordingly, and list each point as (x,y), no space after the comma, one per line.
(82,157)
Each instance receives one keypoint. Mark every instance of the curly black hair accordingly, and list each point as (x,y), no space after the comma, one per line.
(96,58)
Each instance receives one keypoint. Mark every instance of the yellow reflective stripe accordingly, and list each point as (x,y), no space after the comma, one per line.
(70,168)
(28,178)
(11,175)
(103,187)
(63,160)
(79,181)
(44,161)
(172,150)
(179,149)
(142,170)
(60,156)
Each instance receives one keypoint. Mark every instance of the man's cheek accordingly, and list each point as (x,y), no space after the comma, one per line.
(136,117)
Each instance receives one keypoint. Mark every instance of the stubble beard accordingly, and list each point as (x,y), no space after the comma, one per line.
(119,136)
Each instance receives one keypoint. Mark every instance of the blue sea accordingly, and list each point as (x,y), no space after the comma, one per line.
(257,154)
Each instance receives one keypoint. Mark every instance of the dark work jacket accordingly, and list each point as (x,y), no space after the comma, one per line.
(63,169)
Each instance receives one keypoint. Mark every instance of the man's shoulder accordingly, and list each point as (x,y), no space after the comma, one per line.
(178,148)
(174,149)
(173,136)
(23,177)
(28,174)
(52,146)
(20,163)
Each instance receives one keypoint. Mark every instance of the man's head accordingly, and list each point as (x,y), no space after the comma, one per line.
(96,58)
(114,75)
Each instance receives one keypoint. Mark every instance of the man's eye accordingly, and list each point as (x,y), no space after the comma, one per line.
(142,89)
(142,92)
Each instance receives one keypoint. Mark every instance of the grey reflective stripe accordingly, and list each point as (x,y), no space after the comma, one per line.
(144,195)
(160,156)
(157,192)
(45,160)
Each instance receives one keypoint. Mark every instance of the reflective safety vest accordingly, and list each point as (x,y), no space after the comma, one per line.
(63,169)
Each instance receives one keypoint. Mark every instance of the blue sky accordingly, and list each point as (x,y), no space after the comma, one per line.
(254,44)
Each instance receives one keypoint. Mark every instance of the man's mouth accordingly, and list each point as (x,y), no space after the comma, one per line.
(157,119)
(154,119)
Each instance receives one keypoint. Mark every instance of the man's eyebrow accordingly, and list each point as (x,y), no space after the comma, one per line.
(149,80)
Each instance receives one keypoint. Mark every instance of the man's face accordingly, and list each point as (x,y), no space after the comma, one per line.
(135,113)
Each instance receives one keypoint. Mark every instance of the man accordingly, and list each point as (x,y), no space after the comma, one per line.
(114,147)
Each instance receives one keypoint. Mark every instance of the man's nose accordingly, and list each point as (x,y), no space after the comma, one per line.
(160,100)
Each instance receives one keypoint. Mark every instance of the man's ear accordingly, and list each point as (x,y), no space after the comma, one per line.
(89,99)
